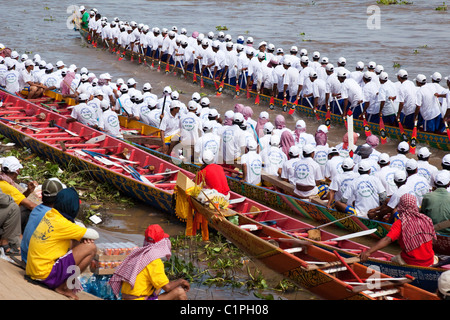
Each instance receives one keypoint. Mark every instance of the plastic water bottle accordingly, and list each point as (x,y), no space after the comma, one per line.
(92,285)
(84,280)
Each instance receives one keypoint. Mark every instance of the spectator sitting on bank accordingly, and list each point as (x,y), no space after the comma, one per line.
(9,225)
(141,275)
(10,171)
(59,244)
(50,189)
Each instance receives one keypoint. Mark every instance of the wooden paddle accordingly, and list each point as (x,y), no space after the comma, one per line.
(293,107)
(355,235)
(350,132)
(314,109)
(413,144)
(366,126)
(382,131)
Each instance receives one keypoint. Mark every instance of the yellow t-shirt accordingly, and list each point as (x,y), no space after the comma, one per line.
(148,280)
(50,241)
(12,191)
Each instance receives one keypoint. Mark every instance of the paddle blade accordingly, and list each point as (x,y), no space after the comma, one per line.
(132,58)
(412,145)
(220,89)
(238,89)
(284,105)
(140,61)
(216,85)
(248,94)
(167,68)
(382,131)
(366,127)
(159,66)
(272,103)
(328,118)
(202,84)
(194,78)
(447,129)
(257,99)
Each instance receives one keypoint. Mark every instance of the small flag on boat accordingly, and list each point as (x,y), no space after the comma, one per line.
(220,89)
(366,126)
(293,107)
(328,118)
(413,144)
(272,103)
(382,131)
(257,99)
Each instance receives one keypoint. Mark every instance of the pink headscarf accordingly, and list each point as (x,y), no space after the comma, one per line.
(195,34)
(286,142)
(321,138)
(345,140)
(247,112)
(238,108)
(372,141)
(260,126)
(280,122)
(299,129)
(67,81)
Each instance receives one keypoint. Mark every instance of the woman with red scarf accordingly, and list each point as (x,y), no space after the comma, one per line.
(414,232)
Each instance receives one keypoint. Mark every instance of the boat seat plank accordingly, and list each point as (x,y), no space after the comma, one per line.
(277,182)
(333,263)
(381,284)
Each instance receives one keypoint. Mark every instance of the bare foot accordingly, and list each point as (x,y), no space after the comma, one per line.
(62,289)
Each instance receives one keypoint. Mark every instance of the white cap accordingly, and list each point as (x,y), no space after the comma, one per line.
(275,140)
(400,176)
(204,101)
(174,104)
(294,49)
(123,88)
(131,82)
(196,96)
(403,146)
(85,77)
(249,51)
(147,86)
(264,115)
(324,60)
(424,152)
(280,50)
(316,54)
(304,59)
(250,40)
(294,151)
(207,125)
(261,55)
(167,89)
(308,149)
(323,128)
(49,66)
(14,54)
(348,163)
(372,65)
(213,113)
(364,165)
(402,73)
(83,97)
(333,150)
(411,164)
(28,62)
(174,95)
(84,70)
(252,145)
(384,76)
(238,117)
(82,8)
(229,114)
(442,178)
(329,67)
(300,124)
(287,62)
(368,75)
(383,158)
(12,163)
(192,105)
(59,64)
(262,43)
(342,73)
(436,76)
(342,60)
(421,78)
(360,65)
(268,127)
(379,68)
(444,283)
(303,52)
(24,57)
(446,160)
(208,156)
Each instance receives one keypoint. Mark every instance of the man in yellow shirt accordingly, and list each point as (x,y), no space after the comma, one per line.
(141,275)
(59,248)
(10,171)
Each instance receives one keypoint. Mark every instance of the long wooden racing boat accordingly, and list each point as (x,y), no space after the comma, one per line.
(131,170)
(327,268)
(280,196)
(439,141)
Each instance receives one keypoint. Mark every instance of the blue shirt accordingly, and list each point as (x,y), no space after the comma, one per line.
(35,218)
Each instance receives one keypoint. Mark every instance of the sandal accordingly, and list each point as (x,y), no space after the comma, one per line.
(10,251)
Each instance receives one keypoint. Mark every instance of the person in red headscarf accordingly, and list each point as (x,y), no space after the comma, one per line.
(141,275)
(414,232)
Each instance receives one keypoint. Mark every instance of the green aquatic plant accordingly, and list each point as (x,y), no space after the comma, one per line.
(389,2)
(441,8)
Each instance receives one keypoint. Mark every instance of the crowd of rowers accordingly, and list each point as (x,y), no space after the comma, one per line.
(294,76)
(256,145)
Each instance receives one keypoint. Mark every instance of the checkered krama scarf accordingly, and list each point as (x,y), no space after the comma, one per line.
(137,260)
(417,228)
